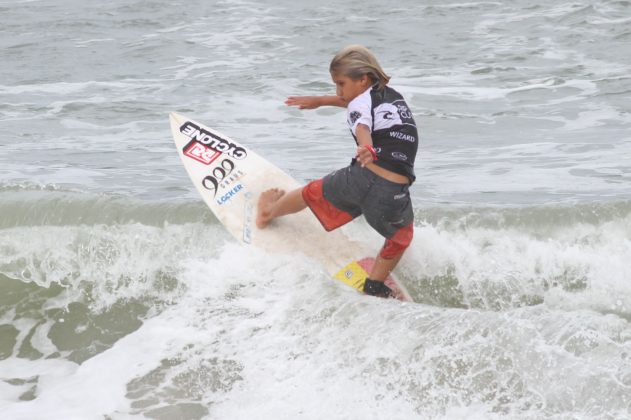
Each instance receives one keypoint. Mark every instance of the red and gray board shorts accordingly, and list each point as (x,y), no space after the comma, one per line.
(349,192)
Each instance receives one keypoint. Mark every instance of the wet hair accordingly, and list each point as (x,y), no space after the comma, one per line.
(355,61)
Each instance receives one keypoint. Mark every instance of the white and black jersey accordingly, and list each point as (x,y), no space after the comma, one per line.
(394,133)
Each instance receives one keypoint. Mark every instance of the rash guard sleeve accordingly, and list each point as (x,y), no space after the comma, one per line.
(359,111)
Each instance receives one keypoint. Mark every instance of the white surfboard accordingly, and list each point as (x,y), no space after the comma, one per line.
(230,177)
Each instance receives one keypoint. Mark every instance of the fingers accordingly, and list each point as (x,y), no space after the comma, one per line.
(295,101)
(363,156)
(302,102)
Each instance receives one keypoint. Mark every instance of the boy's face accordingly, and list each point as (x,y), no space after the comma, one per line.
(347,88)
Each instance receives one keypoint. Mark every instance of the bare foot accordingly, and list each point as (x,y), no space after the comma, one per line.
(265,205)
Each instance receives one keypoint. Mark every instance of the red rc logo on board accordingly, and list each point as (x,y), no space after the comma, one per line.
(201,153)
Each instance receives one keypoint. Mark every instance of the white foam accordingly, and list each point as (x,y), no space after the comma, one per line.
(584,263)
(252,335)
(106,257)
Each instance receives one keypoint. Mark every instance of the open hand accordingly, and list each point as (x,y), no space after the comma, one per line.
(303,102)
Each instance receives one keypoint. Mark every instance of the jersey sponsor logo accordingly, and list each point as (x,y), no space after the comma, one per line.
(402,136)
(399,156)
(404,112)
(386,116)
(213,141)
(200,152)
(353,117)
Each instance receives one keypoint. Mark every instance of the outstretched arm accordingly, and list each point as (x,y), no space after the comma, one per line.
(313,102)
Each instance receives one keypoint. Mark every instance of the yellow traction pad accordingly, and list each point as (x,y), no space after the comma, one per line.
(355,273)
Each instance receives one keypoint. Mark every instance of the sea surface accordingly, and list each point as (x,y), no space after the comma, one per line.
(122,297)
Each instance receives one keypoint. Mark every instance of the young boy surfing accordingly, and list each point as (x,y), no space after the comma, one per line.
(376,182)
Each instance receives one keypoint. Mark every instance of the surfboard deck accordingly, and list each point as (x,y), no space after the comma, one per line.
(230,177)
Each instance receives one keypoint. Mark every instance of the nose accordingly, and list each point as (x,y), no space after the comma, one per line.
(338,91)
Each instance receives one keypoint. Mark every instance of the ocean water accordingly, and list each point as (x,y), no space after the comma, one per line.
(122,297)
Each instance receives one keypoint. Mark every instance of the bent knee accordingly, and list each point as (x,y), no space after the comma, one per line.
(398,243)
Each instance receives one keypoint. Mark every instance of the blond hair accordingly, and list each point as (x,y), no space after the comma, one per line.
(356,61)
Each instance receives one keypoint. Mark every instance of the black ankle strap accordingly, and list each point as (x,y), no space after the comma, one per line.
(377,288)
